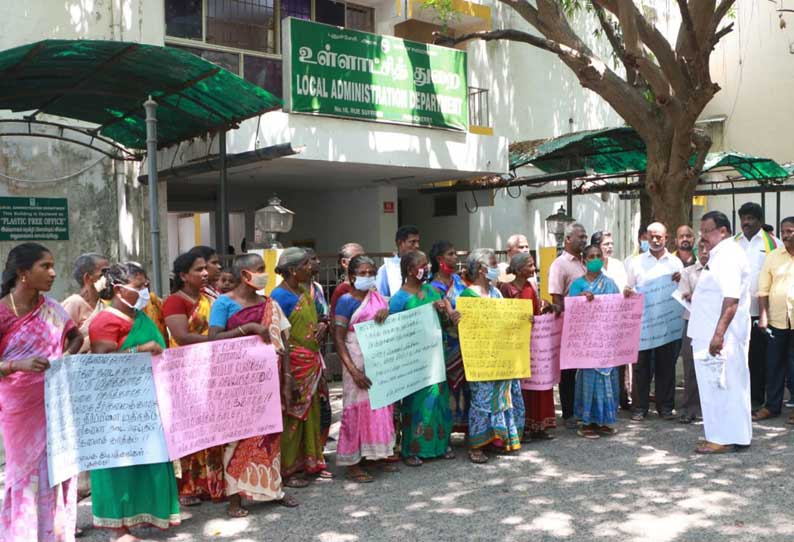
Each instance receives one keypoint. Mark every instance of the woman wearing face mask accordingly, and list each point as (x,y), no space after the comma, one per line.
(84,305)
(496,415)
(123,497)
(34,329)
(538,404)
(426,417)
(301,446)
(597,390)
(187,314)
(365,434)
(447,282)
(240,313)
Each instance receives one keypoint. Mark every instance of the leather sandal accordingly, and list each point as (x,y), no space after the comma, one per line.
(712,448)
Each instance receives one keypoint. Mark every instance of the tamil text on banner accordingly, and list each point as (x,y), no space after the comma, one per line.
(662,315)
(101,413)
(494,338)
(402,355)
(346,73)
(601,333)
(544,353)
(217,392)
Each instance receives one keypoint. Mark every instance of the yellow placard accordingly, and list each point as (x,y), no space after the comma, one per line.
(546,256)
(494,338)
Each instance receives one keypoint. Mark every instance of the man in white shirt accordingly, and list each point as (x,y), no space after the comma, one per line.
(719,327)
(756,244)
(389,279)
(655,263)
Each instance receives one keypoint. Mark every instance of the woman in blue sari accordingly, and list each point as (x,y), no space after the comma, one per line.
(597,390)
(446,281)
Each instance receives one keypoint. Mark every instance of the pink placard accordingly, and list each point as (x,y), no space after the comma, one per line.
(217,392)
(544,353)
(601,333)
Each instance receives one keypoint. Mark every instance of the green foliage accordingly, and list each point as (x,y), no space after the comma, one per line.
(444,10)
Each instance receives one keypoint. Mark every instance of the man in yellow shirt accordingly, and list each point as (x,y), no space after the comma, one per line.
(776,315)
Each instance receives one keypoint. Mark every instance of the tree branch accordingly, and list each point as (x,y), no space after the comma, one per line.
(721,11)
(721,34)
(512,35)
(701,144)
(688,25)
(617,44)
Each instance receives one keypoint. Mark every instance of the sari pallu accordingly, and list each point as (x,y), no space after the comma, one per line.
(364,433)
(32,510)
(426,416)
(301,444)
(252,466)
(140,494)
(496,414)
(201,473)
(459,393)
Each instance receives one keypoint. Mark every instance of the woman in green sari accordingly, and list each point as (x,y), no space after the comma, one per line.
(426,415)
(301,444)
(125,497)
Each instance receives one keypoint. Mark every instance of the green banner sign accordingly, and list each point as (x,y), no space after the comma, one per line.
(34,219)
(345,73)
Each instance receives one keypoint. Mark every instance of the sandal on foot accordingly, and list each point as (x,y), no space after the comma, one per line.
(236,512)
(711,448)
(295,483)
(449,454)
(389,467)
(413,461)
(289,501)
(790,420)
(542,435)
(189,500)
(360,476)
(325,475)
(478,457)
(607,430)
(588,433)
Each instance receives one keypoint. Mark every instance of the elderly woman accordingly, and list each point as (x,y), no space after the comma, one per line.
(446,281)
(251,465)
(539,404)
(34,329)
(613,268)
(496,414)
(365,433)
(426,418)
(301,445)
(84,305)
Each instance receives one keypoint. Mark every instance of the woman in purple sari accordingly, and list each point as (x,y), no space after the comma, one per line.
(33,332)
(252,466)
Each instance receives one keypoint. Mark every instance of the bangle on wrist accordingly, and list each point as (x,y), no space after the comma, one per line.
(9,368)
(240,329)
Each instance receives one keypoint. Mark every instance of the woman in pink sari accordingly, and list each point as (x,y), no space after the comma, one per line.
(365,433)
(33,331)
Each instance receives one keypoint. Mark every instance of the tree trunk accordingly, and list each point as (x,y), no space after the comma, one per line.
(670,191)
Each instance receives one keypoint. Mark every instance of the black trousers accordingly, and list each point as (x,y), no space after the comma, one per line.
(664,360)
(757,362)
(567,391)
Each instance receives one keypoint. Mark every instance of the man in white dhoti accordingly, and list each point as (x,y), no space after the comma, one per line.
(720,331)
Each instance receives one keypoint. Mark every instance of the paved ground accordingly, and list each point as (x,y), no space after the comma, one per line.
(644,484)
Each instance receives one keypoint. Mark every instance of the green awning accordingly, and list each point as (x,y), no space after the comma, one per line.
(750,167)
(620,150)
(106,82)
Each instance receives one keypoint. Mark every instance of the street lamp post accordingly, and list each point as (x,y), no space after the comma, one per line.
(270,221)
(556,224)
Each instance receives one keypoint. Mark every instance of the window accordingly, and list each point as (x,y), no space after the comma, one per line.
(264,72)
(360,18)
(183,19)
(445,205)
(300,9)
(227,61)
(329,12)
(242,24)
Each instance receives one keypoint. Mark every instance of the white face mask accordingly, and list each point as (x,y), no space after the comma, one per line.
(100,284)
(143,298)
(258,281)
(364,283)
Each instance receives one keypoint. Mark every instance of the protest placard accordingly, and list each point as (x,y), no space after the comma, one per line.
(101,413)
(494,338)
(662,315)
(402,355)
(604,332)
(544,348)
(217,392)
